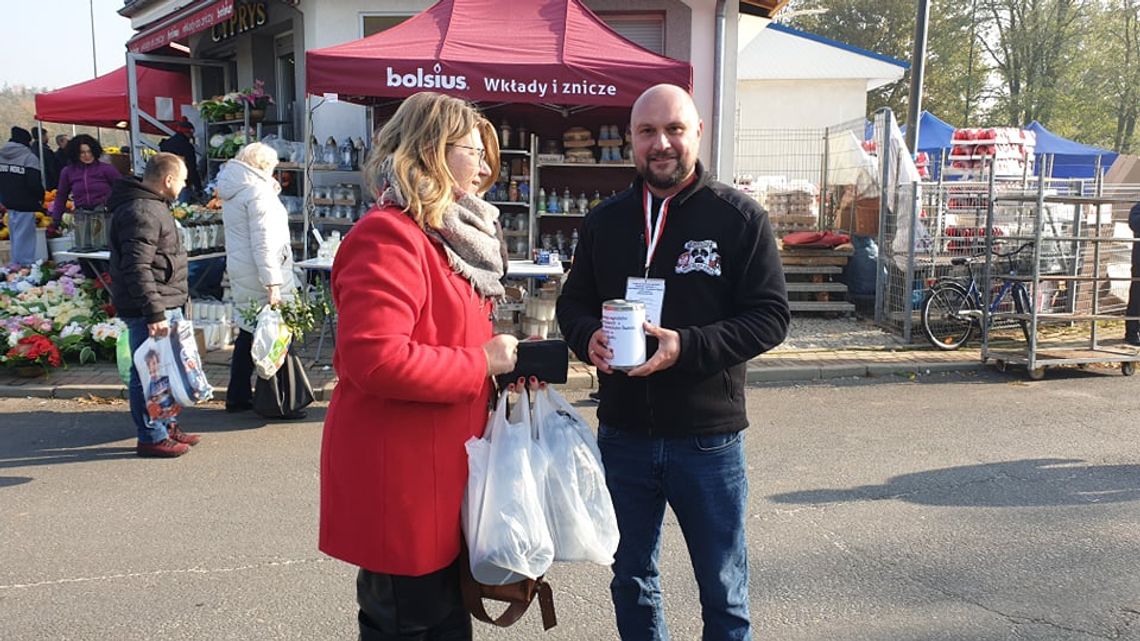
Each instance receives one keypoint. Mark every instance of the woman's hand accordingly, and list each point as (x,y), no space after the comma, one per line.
(274,292)
(502,352)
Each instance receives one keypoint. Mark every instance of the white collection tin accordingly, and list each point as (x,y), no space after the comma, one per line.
(623,322)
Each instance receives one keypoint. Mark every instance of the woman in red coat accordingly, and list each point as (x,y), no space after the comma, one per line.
(414,284)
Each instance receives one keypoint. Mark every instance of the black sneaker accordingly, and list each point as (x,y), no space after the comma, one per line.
(596,396)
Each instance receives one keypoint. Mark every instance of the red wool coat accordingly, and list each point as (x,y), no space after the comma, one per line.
(413,388)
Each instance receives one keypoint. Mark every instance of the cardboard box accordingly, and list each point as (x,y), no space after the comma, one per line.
(866,215)
(200,341)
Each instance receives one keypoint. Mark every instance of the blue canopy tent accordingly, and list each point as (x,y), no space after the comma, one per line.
(1070,159)
(933,137)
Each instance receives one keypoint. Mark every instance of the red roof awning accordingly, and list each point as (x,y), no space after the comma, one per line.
(104,101)
(525,51)
(181,25)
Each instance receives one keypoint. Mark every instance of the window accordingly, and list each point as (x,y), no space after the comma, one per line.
(645,29)
(375,24)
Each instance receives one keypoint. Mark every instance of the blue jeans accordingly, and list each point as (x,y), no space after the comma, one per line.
(149,430)
(22,230)
(703,479)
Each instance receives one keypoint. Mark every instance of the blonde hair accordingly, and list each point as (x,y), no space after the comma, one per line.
(258,155)
(414,142)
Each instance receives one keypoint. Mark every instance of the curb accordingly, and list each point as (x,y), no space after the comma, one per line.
(789,373)
(578,378)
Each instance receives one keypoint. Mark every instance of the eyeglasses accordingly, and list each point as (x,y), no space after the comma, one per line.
(479,151)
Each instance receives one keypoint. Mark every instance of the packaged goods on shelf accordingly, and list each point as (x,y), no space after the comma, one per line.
(1008,150)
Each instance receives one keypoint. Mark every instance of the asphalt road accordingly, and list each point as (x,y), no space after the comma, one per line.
(949,507)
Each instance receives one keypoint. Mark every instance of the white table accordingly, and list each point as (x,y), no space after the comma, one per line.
(324,266)
(104,256)
(527,269)
(315,264)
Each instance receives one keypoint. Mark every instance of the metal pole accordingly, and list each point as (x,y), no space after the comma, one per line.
(137,163)
(987,270)
(819,223)
(917,58)
(970,60)
(885,117)
(94,59)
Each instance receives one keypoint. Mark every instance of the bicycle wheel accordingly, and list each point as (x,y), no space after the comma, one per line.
(942,320)
(1023,306)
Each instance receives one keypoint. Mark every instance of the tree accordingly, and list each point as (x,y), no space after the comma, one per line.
(1032,45)
(887,27)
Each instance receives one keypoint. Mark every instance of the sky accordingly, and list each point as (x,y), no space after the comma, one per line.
(53,41)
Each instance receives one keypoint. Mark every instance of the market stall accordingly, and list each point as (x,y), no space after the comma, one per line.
(559,89)
(1067,158)
(104,101)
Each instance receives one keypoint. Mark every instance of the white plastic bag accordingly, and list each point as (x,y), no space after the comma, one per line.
(577,505)
(271,341)
(506,531)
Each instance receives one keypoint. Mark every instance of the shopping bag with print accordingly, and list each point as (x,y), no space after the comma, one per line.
(577,505)
(271,340)
(154,360)
(193,387)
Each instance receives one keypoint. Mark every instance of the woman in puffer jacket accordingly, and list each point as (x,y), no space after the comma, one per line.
(259,256)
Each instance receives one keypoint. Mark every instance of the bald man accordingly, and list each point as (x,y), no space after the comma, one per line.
(702,257)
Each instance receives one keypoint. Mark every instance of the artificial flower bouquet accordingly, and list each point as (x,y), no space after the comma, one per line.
(33,350)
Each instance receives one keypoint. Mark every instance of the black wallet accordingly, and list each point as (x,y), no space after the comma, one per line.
(546,360)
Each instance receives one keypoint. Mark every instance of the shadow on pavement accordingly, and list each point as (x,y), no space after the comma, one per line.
(6,481)
(49,438)
(1026,483)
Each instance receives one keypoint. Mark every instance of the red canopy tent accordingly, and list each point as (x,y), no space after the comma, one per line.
(104,101)
(516,51)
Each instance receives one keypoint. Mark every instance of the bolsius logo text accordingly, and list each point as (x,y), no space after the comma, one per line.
(422,80)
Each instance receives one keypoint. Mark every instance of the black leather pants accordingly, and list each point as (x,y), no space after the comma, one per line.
(412,608)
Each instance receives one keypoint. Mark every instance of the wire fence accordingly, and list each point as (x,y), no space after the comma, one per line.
(795,173)
(858,177)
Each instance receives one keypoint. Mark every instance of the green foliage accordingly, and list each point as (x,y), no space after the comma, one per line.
(302,314)
(1074,65)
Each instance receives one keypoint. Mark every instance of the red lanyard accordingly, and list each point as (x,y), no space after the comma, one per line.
(653,233)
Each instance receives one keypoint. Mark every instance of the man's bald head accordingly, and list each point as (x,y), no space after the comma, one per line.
(666,137)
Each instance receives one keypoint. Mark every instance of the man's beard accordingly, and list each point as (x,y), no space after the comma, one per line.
(665,180)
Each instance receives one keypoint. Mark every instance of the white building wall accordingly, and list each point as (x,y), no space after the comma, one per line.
(791,104)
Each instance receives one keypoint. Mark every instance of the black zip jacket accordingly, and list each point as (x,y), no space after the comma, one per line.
(20,186)
(724,295)
(148,262)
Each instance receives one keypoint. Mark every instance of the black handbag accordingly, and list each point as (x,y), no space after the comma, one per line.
(546,360)
(288,392)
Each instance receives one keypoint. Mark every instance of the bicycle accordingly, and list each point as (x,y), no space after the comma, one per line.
(953,309)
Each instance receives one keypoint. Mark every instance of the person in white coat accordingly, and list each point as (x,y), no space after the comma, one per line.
(259,256)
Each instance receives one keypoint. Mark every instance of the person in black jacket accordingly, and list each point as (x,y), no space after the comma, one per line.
(181,144)
(1132,327)
(22,192)
(149,282)
(670,429)
(42,149)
